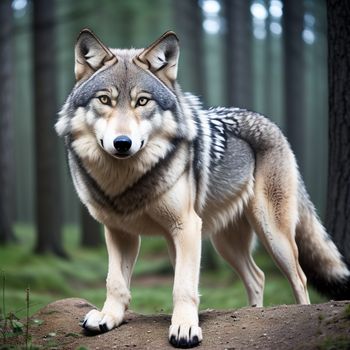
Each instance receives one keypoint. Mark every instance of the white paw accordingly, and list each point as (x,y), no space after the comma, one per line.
(97,321)
(185,336)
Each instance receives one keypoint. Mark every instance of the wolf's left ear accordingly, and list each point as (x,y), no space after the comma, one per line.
(90,55)
(161,58)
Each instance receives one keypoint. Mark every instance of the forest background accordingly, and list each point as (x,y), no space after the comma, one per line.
(268,56)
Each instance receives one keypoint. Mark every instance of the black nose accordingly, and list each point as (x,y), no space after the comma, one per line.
(122,144)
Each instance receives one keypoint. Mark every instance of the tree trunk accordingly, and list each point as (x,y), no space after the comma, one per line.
(293,23)
(48,193)
(7,166)
(268,78)
(188,19)
(338,203)
(238,53)
(91,235)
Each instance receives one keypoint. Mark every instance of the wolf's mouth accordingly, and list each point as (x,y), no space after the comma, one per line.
(121,155)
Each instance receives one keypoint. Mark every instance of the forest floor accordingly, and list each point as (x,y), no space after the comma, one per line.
(319,326)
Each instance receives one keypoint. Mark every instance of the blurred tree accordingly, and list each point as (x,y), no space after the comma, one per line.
(293,23)
(188,20)
(316,104)
(338,203)
(48,193)
(7,166)
(238,53)
(91,234)
(268,91)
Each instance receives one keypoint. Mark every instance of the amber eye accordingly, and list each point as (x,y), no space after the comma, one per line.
(142,101)
(104,99)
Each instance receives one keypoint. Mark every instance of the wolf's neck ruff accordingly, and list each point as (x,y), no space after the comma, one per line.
(146,189)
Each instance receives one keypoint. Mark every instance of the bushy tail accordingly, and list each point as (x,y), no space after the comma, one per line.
(318,255)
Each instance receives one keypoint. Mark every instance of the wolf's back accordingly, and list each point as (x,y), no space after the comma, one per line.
(258,131)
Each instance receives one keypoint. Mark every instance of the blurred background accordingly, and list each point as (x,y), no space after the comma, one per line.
(265,55)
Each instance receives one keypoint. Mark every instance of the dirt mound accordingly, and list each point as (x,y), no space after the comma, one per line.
(321,326)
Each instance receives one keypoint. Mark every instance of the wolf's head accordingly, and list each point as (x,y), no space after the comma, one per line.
(121,96)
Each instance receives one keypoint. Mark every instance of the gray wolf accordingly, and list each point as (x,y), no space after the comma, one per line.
(148,159)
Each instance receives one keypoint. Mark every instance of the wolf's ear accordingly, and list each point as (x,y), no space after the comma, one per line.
(161,58)
(90,55)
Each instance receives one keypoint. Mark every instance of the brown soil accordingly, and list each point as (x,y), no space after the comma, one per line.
(322,326)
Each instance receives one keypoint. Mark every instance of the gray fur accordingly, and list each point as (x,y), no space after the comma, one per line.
(233,170)
(124,76)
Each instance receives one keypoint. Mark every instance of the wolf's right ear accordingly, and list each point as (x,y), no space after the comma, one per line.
(161,58)
(90,55)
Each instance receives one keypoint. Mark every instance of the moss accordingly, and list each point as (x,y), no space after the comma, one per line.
(335,343)
(347,312)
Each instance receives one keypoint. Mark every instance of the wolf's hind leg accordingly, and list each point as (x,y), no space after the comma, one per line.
(122,253)
(276,229)
(234,244)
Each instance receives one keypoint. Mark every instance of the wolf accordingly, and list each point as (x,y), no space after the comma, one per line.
(148,159)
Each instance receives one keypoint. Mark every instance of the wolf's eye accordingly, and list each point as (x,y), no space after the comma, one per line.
(104,99)
(142,101)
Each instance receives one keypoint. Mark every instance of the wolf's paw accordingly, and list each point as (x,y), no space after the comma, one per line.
(97,321)
(185,336)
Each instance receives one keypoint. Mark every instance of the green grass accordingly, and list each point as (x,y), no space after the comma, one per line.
(83,275)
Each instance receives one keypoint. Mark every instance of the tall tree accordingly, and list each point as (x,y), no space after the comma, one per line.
(188,20)
(338,203)
(268,81)
(293,23)
(6,124)
(238,53)
(48,194)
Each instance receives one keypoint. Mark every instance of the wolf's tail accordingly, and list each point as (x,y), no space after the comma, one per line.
(318,255)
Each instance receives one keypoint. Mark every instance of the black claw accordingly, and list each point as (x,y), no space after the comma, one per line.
(103,327)
(183,343)
(173,340)
(195,341)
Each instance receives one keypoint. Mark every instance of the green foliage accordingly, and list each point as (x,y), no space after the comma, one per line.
(11,326)
(335,343)
(347,311)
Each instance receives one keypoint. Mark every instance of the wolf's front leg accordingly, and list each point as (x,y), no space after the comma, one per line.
(122,253)
(184,330)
